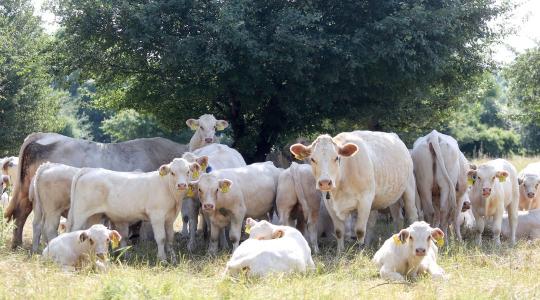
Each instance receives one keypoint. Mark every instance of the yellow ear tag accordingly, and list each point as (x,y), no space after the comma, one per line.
(203,167)
(502,178)
(114,242)
(195,174)
(190,192)
(248,228)
(225,189)
(439,242)
(470,181)
(396,239)
(162,172)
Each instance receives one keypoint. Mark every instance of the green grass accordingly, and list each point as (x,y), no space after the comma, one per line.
(476,273)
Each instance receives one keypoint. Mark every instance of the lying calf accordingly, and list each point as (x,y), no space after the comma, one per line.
(269,249)
(70,249)
(528,225)
(410,252)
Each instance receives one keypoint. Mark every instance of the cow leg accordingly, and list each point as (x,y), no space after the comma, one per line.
(169,232)
(20,216)
(497,224)
(312,229)
(186,215)
(37,224)
(480,222)
(223,239)
(372,220)
(158,226)
(426,198)
(444,208)
(51,226)
(214,236)
(123,230)
(397,216)
(409,200)
(193,222)
(339,226)
(390,274)
(513,220)
(363,210)
(236,230)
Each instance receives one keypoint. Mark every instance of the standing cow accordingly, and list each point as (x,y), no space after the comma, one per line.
(441,176)
(144,154)
(529,180)
(495,187)
(360,171)
(205,131)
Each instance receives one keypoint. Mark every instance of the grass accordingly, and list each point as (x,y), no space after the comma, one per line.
(476,273)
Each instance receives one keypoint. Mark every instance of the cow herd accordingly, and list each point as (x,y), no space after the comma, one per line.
(338,187)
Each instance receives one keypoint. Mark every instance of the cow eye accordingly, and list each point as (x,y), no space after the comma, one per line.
(410,238)
(91,241)
(478,177)
(337,158)
(172,173)
(107,240)
(428,238)
(313,161)
(202,128)
(217,190)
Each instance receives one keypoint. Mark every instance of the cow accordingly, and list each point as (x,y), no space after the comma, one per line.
(270,249)
(9,167)
(411,252)
(494,188)
(529,180)
(441,177)
(296,187)
(71,249)
(144,154)
(50,195)
(229,195)
(205,131)
(126,197)
(211,157)
(528,225)
(360,171)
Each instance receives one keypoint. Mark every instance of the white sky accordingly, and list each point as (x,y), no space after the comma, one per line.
(525,20)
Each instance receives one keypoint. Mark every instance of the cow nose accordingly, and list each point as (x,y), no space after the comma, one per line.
(420,251)
(325,184)
(181,186)
(208,206)
(486,191)
(530,195)
(466,206)
(101,256)
(209,140)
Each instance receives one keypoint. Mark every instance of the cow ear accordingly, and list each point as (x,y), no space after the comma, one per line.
(520,181)
(225,185)
(300,151)
(221,125)
(250,222)
(193,124)
(83,236)
(114,235)
(203,161)
(471,174)
(278,233)
(404,235)
(502,175)
(472,166)
(195,169)
(437,234)
(164,170)
(348,149)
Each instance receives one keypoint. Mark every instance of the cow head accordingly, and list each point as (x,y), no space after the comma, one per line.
(97,239)
(8,163)
(263,230)
(418,238)
(484,179)
(201,160)
(180,172)
(205,128)
(208,187)
(528,185)
(324,155)
(5,183)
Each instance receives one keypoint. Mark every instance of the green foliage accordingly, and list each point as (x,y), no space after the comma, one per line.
(277,69)
(27,102)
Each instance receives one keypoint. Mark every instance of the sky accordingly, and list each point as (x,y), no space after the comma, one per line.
(525,20)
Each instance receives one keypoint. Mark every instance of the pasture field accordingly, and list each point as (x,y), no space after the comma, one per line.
(475,273)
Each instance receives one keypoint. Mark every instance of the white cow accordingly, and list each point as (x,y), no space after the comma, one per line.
(9,167)
(529,180)
(528,225)
(128,197)
(441,177)
(296,187)
(360,171)
(205,131)
(271,249)
(495,187)
(72,249)
(50,194)
(411,252)
(230,195)
(210,157)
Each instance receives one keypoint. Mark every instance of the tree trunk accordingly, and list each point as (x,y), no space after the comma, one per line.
(270,129)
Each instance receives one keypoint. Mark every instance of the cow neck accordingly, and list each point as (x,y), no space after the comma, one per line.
(173,192)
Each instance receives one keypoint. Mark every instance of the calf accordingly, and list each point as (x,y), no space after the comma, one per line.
(229,195)
(528,225)
(270,249)
(126,197)
(296,186)
(71,249)
(50,194)
(529,181)
(494,188)
(205,131)
(411,252)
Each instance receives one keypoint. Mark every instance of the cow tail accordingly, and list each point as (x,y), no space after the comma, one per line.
(434,143)
(79,174)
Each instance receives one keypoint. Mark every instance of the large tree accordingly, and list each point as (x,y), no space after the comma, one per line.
(277,68)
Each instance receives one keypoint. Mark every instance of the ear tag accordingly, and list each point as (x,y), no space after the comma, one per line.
(190,193)
(195,174)
(396,239)
(162,173)
(300,156)
(203,167)
(248,229)
(439,242)
(470,181)
(225,189)
(502,178)
(114,242)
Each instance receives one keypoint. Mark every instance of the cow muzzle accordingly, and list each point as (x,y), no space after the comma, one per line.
(486,192)
(208,206)
(466,206)
(209,140)
(325,185)
(102,256)
(530,195)
(181,186)
(420,252)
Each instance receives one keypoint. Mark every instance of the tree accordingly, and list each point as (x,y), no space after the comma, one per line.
(27,102)
(277,69)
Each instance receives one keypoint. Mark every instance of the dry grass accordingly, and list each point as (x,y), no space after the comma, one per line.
(476,273)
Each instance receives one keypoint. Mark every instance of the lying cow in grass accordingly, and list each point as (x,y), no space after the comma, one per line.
(271,249)
(72,249)
(411,252)
(528,225)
